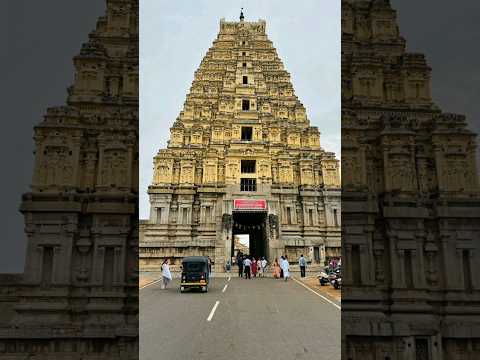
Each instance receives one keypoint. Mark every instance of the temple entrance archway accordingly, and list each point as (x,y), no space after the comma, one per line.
(253,223)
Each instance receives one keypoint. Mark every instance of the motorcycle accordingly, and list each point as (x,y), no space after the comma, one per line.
(323,279)
(336,282)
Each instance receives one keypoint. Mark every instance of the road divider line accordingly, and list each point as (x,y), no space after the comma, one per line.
(316,293)
(150,283)
(229,278)
(225,287)
(213,311)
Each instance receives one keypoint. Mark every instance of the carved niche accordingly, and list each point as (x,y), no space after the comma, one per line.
(210,172)
(114,170)
(187,172)
(285,172)
(163,171)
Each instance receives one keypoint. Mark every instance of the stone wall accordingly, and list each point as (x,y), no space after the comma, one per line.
(410,202)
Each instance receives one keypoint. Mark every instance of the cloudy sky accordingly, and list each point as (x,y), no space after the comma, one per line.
(175,36)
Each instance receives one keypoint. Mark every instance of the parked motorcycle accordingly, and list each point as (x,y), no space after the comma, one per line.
(336,282)
(323,279)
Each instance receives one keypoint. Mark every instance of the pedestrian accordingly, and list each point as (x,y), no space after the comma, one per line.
(254,267)
(246,264)
(166,274)
(302,262)
(276,269)
(263,265)
(285,267)
(240,264)
(281,267)
(209,265)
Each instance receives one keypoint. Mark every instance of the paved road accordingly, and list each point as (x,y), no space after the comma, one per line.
(262,318)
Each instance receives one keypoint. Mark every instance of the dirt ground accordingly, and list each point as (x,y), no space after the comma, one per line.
(326,290)
(146,279)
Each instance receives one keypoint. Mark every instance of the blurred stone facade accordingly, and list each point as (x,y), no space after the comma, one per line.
(241,106)
(78,295)
(410,202)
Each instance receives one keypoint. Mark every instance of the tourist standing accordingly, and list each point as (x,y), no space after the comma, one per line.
(246,264)
(276,269)
(285,267)
(263,265)
(302,262)
(240,264)
(254,267)
(166,275)
(209,265)
(281,267)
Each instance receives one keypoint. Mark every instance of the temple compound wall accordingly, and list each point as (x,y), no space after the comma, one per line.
(410,203)
(242,158)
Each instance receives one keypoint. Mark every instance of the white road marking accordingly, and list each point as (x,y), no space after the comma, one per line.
(229,278)
(213,311)
(316,293)
(150,283)
(225,287)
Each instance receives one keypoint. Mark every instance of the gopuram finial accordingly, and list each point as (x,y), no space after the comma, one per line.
(241,15)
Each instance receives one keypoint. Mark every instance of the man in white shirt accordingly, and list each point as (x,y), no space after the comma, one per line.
(285,267)
(263,265)
(247,263)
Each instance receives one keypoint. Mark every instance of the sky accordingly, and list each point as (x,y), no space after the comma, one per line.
(175,36)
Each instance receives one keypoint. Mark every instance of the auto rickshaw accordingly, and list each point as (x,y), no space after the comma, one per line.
(194,273)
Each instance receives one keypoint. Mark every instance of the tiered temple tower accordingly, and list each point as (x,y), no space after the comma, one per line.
(78,296)
(410,203)
(242,158)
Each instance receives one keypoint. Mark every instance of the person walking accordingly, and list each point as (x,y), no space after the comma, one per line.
(209,265)
(263,265)
(240,264)
(276,269)
(246,264)
(285,267)
(166,274)
(302,262)
(254,267)
(282,258)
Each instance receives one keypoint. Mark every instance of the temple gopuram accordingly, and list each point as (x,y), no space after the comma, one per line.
(242,159)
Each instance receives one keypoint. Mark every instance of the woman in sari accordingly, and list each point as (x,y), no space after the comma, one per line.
(276,269)
(166,275)
(254,267)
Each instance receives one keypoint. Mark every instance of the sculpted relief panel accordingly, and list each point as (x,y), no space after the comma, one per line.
(210,168)
(163,171)
(55,167)
(114,171)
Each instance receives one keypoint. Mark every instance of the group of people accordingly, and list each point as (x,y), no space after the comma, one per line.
(249,266)
(281,269)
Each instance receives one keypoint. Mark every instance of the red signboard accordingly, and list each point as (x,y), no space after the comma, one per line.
(250,204)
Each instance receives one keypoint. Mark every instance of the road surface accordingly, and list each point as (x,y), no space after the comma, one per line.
(261,318)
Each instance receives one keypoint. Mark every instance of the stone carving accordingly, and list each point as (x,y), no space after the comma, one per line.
(403,173)
(80,229)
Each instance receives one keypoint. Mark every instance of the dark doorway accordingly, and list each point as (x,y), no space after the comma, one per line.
(254,224)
